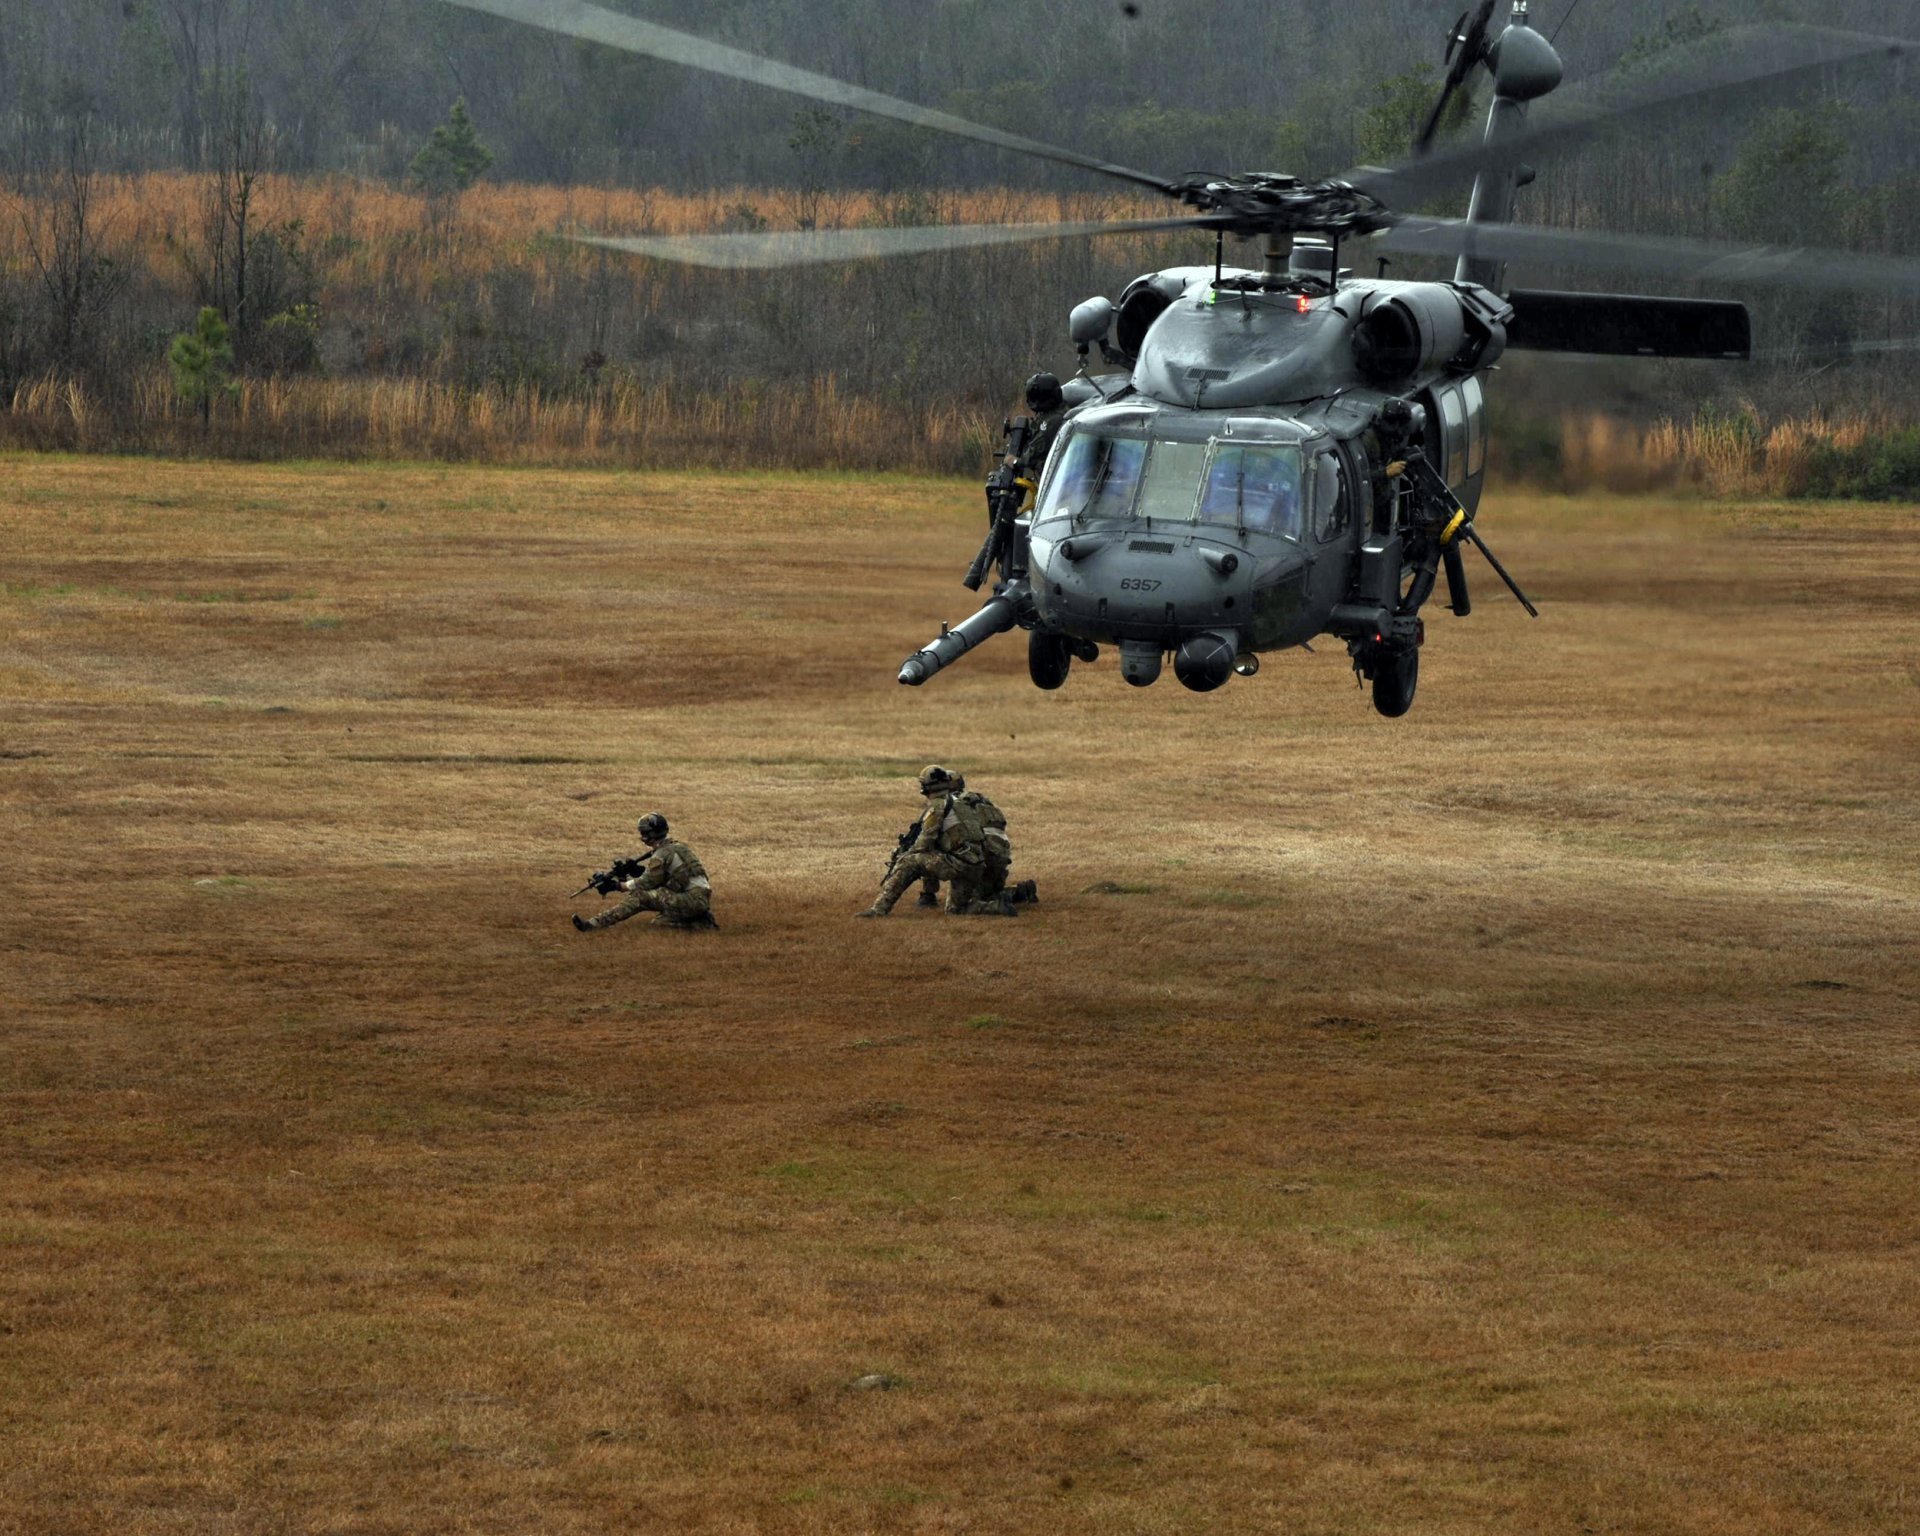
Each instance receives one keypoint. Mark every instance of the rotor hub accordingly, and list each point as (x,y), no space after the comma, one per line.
(1263,203)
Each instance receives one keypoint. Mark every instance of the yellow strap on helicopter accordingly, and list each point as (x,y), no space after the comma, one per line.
(1447,533)
(1026,501)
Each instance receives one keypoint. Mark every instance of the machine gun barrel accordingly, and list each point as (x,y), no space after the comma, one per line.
(989,552)
(1499,569)
(995,618)
(1003,495)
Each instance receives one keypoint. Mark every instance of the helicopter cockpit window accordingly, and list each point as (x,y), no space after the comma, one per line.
(1331,510)
(1255,486)
(1172,484)
(1097,476)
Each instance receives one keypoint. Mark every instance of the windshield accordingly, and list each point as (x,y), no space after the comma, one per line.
(1104,475)
(1254,486)
(1097,476)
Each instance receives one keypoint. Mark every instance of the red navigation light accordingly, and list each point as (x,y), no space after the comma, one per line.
(1303,304)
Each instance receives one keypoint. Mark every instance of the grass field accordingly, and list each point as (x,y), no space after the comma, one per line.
(1504,1119)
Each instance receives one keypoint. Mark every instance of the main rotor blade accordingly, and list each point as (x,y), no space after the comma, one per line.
(594,24)
(1725,66)
(804,247)
(1834,352)
(1709,261)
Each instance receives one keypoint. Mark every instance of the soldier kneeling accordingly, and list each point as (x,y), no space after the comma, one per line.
(999,852)
(950,845)
(670,881)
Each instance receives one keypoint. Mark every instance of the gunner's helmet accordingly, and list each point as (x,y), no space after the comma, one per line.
(936,780)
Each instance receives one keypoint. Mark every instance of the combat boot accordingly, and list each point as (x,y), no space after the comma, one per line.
(1025,893)
(583,927)
(988,906)
(928,898)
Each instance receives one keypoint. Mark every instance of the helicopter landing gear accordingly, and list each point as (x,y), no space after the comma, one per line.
(1049,659)
(1395,677)
(1391,662)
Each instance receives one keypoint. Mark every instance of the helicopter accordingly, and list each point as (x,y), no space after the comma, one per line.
(1288,452)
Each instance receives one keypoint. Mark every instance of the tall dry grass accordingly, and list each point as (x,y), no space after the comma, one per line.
(363,234)
(1749,452)
(624,423)
(481,335)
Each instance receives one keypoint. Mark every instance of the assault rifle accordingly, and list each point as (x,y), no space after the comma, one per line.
(610,880)
(1005,493)
(907,840)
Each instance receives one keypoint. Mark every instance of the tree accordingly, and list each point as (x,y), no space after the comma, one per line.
(202,363)
(1788,185)
(66,241)
(453,159)
(1387,129)
(450,162)
(239,150)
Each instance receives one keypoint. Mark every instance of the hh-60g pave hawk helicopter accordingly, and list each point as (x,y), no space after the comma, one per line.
(1289,451)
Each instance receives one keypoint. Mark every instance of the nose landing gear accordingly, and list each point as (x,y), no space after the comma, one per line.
(1391,663)
(1051,657)
(1396,675)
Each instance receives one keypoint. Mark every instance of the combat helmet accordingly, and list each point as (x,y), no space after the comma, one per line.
(653,827)
(1044,394)
(936,780)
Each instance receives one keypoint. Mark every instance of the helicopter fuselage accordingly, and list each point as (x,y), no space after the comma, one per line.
(1236,494)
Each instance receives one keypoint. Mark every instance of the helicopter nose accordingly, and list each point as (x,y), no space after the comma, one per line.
(1144,586)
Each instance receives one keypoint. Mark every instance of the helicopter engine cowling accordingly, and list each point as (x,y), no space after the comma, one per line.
(1144,301)
(1418,330)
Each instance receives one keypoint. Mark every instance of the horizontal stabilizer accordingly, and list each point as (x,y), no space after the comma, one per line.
(1628,325)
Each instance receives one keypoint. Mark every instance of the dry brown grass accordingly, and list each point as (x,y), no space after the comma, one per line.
(157,215)
(1501,1120)
(627,423)
(367,238)
(1749,453)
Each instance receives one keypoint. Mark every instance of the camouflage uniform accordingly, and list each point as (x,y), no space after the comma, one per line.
(951,846)
(996,846)
(671,882)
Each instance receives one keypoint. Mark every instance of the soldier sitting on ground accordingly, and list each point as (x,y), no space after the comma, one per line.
(950,845)
(670,881)
(999,851)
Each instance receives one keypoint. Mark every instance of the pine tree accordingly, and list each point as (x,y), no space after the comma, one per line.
(202,362)
(453,159)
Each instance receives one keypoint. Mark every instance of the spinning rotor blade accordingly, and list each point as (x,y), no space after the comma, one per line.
(1729,64)
(803,247)
(1467,48)
(1830,353)
(594,24)
(1701,260)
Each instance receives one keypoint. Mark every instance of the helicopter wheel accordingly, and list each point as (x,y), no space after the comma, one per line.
(1049,659)
(1395,677)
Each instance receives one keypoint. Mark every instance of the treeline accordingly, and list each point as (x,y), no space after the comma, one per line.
(357,85)
(386,273)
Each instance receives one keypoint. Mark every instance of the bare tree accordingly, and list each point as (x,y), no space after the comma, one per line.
(209,40)
(239,151)
(66,243)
